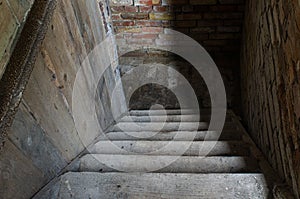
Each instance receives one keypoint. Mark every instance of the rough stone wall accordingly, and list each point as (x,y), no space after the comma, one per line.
(271,83)
(13,14)
(215,24)
(43,139)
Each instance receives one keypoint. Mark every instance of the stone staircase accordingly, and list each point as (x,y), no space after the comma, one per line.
(132,161)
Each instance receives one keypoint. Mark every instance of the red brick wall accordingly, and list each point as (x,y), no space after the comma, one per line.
(215,24)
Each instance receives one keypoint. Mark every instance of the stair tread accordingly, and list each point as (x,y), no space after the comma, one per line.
(191,148)
(173,135)
(184,111)
(167,164)
(166,126)
(168,118)
(161,185)
(163,112)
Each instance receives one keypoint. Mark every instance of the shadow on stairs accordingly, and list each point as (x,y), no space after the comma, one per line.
(150,154)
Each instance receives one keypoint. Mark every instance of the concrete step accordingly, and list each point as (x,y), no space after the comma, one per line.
(158,185)
(159,126)
(168,118)
(167,164)
(184,111)
(177,135)
(198,148)
(164,112)
(165,126)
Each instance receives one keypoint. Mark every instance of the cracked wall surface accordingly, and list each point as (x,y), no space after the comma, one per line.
(271,83)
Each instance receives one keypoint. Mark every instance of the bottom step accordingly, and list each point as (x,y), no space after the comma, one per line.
(157,185)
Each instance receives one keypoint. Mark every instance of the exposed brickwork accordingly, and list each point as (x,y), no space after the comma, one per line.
(271,83)
(215,24)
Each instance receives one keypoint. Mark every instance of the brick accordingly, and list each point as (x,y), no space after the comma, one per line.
(166,23)
(187,8)
(210,23)
(143,2)
(131,9)
(228,29)
(211,49)
(149,23)
(163,42)
(215,42)
(232,1)
(146,9)
(170,36)
(184,24)
(161,16)
(134,16)
(174,8)
(117,9)
(203,30)
(152,29)
(232,48)
(174,2)
(116,17)
(155,2)
(188,16)
(233,15)
(199,37)
(203,2)
(160,8)
(141,41)
(133,29)
(121,2)
(123,23)
(234,22)
(144,36)
(224,8)
(224,36)
(241,8)
(201,8)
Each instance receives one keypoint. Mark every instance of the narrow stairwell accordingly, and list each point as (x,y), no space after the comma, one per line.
(132,161)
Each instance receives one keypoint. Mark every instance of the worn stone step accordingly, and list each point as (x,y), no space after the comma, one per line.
(177,135)
(198,148)
(168,118)
(164,112)
(167,164)
(159,126)
(165,126)
(159,185)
